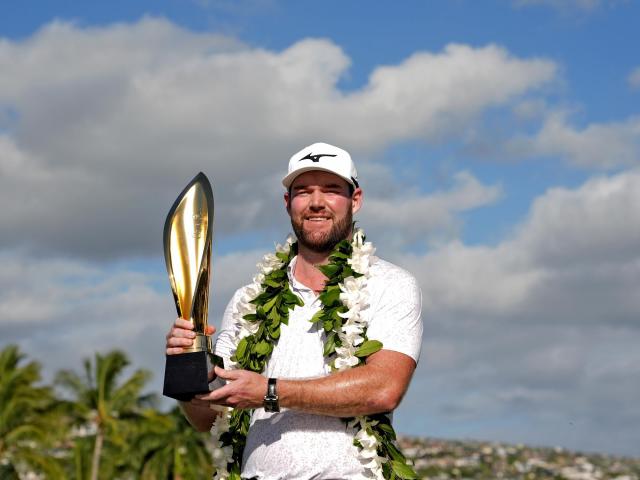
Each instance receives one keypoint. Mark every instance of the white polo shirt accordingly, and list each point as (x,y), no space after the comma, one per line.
(296,445)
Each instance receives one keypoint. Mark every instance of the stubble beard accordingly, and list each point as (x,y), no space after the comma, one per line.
(324,242)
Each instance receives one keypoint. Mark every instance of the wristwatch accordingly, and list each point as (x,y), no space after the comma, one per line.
(270,401)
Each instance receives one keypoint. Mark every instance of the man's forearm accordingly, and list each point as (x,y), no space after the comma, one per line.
(375,387)
(200,416)
(365,390)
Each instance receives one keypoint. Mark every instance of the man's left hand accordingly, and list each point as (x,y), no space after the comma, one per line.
(244,389)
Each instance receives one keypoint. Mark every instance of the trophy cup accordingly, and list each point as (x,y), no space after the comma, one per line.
(187,252)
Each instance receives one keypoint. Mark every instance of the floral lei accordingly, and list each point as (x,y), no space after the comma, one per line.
(264,306)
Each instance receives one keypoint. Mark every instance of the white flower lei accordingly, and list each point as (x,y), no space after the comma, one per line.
(355,296)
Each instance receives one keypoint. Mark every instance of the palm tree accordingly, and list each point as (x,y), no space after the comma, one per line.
(30,419)
(173,449)
(104,409)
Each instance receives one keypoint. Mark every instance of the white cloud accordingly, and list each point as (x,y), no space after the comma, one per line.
(109,123)
(541,326)
(60,311)
(634,78)
(571,236)
(413,217)
(598,145)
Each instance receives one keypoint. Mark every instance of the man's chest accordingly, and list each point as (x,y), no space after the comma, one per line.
(298,352)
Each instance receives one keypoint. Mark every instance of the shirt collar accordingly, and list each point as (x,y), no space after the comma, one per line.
(295,284)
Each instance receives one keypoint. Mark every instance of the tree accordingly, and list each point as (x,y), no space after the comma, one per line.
(29,419)
(173,449)
(104,409)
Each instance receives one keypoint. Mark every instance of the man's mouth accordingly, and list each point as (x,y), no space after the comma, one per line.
(317,219)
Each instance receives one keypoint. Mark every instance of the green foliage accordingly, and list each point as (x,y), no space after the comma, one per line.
(170,448)
(105,410)
(30,418)
(56,439)
(368,348)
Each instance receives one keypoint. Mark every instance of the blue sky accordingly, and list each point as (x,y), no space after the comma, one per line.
(497,142)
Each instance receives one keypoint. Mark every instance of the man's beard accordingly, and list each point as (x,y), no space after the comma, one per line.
(324,242)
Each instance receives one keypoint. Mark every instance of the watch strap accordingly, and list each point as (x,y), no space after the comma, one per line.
(270,401)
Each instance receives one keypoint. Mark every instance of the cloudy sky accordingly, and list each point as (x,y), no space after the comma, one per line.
(498,144)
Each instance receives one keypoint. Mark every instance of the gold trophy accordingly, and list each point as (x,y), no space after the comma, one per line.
(187,251)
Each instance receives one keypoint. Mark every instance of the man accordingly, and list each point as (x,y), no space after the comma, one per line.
(307,438)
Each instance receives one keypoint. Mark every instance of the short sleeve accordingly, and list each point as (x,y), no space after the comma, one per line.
(224,344)
(396,307)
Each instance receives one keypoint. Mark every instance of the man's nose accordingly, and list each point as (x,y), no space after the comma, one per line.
(316,201)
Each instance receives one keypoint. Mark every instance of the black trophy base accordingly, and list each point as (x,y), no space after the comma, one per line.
(185,375)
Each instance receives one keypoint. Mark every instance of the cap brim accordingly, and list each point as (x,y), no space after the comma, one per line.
(288,180)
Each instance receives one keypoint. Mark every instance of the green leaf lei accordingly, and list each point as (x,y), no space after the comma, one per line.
(253,352)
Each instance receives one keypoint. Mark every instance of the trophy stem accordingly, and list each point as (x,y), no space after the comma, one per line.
(202,343)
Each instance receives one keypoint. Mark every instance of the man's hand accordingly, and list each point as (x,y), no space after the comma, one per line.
(244,389)
(182,335)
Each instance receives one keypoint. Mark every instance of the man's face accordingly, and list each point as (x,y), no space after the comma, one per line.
(321,209)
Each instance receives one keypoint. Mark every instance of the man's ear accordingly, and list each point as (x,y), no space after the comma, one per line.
(356,199)
(287,200)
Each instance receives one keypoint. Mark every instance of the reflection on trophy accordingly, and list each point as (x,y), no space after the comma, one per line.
(187,252)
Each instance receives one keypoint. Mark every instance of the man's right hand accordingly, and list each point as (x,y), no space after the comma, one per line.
(181,335)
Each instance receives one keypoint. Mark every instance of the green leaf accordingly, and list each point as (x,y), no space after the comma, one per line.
(262,348)
(403,470)
(349,272)
(252,317)
(327,325)
(317,316)
(339,255)
(261,299)
(337,324)
(388,430)
(344,246)
(290,298)
(274,316)
(255,366)
(367,348)
(330,344)
(269,305)
(279,274)
(331,295)
(393,451)
(329,270)
(241,348)
(275,333)
(272,283)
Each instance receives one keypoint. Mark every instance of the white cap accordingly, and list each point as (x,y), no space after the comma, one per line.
(324,157)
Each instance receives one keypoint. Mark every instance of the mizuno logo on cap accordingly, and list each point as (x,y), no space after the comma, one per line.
(315,158)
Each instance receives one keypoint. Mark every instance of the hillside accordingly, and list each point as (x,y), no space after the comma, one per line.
(448,459)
